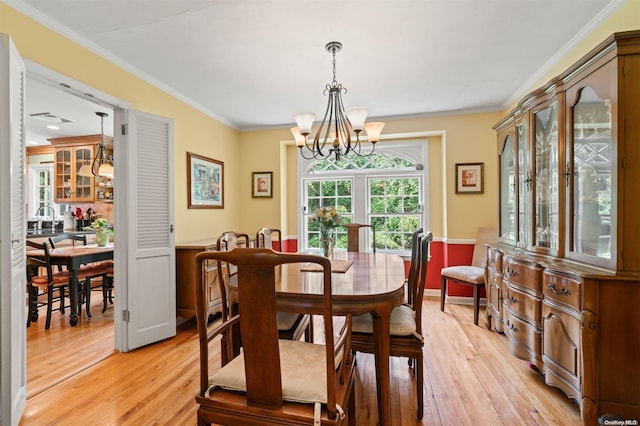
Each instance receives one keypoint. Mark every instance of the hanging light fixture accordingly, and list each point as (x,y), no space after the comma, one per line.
(334,136)
(101,164)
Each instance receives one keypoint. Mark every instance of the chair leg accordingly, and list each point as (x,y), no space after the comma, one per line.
(443,292)
(476,303)
(87,297)
(420,385)
(50,306)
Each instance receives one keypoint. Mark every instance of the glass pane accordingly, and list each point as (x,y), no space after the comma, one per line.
(592,167)
(508,191)
(523,186)
(546,184)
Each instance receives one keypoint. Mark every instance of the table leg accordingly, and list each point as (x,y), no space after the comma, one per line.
(381,332)
(73,295)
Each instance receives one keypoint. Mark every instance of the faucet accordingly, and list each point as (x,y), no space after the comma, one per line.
(53,214)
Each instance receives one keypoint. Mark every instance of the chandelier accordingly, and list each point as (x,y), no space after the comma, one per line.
(101,165)
(334,136)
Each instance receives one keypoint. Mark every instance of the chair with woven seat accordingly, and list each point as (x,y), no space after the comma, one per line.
(102,270)
(272,380)
(406,338)
(470,275)
(50,282)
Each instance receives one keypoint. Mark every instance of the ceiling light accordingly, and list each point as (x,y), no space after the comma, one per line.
(334,136)
(101,165)
(53,127)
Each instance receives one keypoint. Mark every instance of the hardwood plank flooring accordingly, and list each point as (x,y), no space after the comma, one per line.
(470,379)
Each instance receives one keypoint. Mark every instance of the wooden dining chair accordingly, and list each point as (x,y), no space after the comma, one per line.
(290,325)
(406,323)
(43,279)
(272,380)
(102,270)
(353,236)
(265,238)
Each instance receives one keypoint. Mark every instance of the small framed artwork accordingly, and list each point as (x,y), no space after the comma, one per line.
(205,181)
(469,178)
(261,185)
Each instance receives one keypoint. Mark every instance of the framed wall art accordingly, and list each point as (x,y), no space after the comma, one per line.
(205,182)
(469,178)
(262,184)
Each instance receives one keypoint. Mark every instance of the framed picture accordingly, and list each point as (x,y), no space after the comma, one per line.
(261,185)
(469,178)
(205,181)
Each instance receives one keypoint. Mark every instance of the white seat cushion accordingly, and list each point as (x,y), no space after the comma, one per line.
(304,372)
(469,274)
(286,320)
(403,322)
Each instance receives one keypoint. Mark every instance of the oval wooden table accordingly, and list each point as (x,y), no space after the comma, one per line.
(373,283)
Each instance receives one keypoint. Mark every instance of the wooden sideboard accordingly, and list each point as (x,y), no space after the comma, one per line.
(563,280)
(186,277)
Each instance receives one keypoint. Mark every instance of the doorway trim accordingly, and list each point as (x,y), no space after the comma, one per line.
(69,85)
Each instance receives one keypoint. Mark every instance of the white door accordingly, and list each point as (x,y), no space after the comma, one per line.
(144,224)
(13,312)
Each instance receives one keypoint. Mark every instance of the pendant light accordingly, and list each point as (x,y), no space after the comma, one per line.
(101,164)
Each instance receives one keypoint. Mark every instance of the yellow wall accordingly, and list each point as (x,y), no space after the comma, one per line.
(193,130)
(468,139)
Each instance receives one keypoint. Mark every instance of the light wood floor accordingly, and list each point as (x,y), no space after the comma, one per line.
(470,379)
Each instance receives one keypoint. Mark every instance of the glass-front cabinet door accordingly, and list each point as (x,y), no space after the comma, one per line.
(590,147)
(524,185)
(508,208)
(546,230)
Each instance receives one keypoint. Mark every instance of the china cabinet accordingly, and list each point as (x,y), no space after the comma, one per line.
(563,280)
(69,155)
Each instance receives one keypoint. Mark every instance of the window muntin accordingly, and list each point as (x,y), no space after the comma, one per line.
(399,166)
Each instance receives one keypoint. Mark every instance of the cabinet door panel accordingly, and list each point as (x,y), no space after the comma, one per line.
(546,192)
(560,346)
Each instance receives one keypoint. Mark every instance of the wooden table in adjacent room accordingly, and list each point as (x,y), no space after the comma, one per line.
(73,257)
(373,284)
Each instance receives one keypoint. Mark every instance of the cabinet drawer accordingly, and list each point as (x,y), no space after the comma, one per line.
(525,274)
(525,340)
(524,305)
(563,289)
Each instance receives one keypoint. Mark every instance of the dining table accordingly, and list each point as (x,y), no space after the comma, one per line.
(362,283)
(73,257)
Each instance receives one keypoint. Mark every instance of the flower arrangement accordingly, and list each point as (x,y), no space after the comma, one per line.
(326,218)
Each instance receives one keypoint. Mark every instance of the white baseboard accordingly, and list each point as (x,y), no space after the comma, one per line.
(457,300)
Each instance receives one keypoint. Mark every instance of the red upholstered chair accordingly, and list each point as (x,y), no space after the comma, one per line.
(406,322)
(470,275)
(272,380)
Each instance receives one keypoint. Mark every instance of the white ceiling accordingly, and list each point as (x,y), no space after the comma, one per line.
(255,63)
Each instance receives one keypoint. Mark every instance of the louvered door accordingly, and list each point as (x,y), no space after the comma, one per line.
(13,376)
(146,188)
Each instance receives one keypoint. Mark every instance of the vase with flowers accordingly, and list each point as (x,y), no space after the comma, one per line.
(102,230)
(327,218)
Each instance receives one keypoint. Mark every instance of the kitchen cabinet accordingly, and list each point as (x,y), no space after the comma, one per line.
(564,276)
(69,155)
